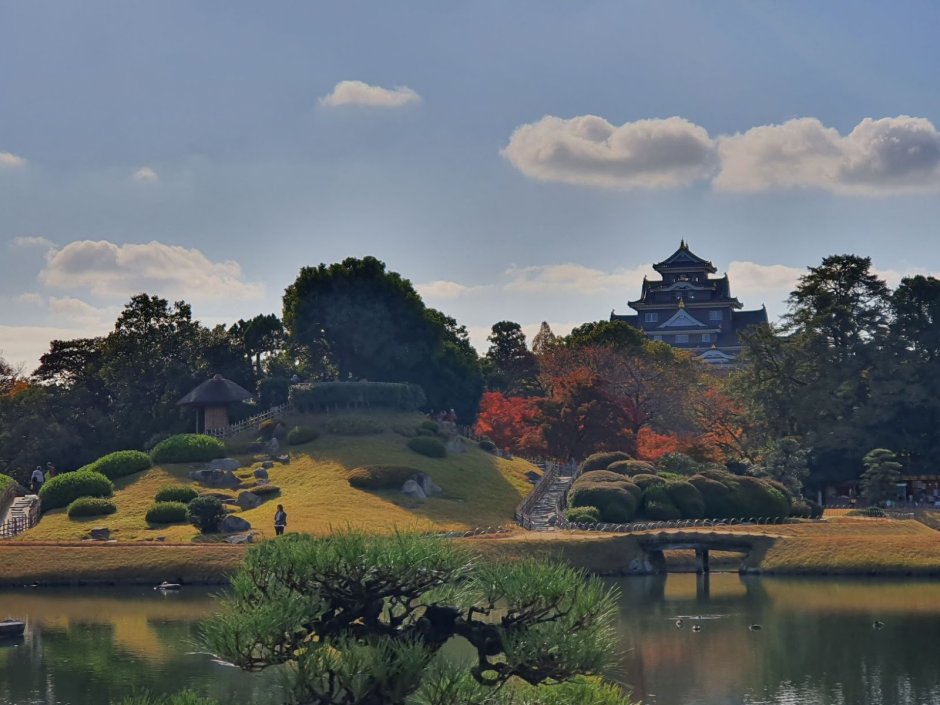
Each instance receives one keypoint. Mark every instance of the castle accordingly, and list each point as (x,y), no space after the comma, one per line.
(688,309)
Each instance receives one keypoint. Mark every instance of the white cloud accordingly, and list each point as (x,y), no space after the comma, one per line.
(31,241)
(360,93)
(24,345)
(442,289)
(878,157)
(117,271)
(11,161)
(591,151)
(574,278)
(76,311)
(30,298)
(145,175)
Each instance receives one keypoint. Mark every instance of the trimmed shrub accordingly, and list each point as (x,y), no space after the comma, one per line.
(188,448)
(658,506)
(429,425)
(265,490)
(406,431)
(601,461)
(716,495)
(299,435)
(205,512)
(754,498)
(64,489)
(425,445)
(614,502)
(380,477)
(686,498)
(119,463)
(166,513)
(487,446)
(678,463)
(632,467)
(600,476)
(324,396)
(425,432)
(176,493)
(644,481)
(353,426)
(805,509)
(91,507)
(583,515)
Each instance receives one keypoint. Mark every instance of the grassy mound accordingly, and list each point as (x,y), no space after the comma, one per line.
(187,448)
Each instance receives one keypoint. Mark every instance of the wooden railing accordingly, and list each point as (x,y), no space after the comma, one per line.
(23,515)
(239,426)
(523,512)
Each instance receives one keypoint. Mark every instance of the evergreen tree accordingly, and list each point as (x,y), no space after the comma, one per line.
(881,476)
(787,462)
(544,339)
(509,366)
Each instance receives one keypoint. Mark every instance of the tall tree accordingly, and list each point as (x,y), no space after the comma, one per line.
(544,339)
(509,366)
(261,336)
(882,473)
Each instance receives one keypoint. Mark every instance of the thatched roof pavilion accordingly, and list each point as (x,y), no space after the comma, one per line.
(211,400)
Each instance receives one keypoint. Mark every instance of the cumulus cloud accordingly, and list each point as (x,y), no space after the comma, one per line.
(890,155)
(110,270)
(573,278)
(360,93)
(878,157)
(591,151)
(24,345)
(145,175)
(32,241)
(11,161)
(30,298)
(442,289)
(79,312)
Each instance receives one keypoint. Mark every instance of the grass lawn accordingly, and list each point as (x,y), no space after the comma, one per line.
(479,490)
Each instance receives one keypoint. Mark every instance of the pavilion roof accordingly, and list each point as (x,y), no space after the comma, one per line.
(215,392)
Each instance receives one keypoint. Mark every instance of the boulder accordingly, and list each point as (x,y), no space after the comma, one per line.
(283,459)
(99,533)
(248,500)
(413,489)
(234,525)
(455,446)
(215,477)
(240,538)
(426,484)
(267,464)
(261,473)
(230,464)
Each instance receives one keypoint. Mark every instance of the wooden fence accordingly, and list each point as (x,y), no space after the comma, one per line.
(239,426)
(23,515)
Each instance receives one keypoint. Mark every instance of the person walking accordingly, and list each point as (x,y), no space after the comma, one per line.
(280,520)
(36,480)
(51,471)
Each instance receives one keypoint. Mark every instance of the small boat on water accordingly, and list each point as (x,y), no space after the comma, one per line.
(168,586)
(11,628)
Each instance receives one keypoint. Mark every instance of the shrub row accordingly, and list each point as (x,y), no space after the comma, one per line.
(353,426)
(425,445)
(176,493)
(329,395)
(187,448)
(64,489)
(167,513)
(91,507)
(299,435)
(380,477)
(601,461)
(119,463)
(265,490)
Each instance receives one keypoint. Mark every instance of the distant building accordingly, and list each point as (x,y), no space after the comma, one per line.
(690,310)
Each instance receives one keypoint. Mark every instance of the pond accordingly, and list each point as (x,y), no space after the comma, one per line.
(817,643)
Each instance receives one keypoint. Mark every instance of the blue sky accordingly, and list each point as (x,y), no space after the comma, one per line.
(543,154)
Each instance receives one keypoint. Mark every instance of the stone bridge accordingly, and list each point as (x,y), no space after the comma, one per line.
(655,543)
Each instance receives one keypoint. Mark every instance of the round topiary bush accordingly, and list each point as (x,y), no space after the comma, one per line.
(265,490)
(406,431)
(601,461)
(91,507)
(188,448)
(353,426)
(205,512)
(429,425)
(686,498)
(487,446)
(166,513)
(678,463)
(64,489)
(645,481)
(425,445)
(658,506)
(380,477)
(615,504)
(719,503)
(583,515)
(119,463)
(299,435)
(176,493)
(632,467)
(600,476)
(756,498)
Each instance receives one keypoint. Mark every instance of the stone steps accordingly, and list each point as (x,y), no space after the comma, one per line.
(545,511)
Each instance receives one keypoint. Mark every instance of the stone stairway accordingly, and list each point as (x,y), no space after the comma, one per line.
(544,513)
(23,514)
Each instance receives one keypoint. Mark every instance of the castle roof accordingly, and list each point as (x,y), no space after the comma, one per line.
(684,259)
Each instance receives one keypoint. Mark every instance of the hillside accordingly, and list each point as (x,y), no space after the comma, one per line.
(479,489)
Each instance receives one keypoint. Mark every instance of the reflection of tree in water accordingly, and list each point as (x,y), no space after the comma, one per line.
(802,654)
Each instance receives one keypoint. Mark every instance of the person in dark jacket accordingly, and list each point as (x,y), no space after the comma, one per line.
(280,520)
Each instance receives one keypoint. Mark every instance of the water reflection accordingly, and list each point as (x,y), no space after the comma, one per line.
(816,643)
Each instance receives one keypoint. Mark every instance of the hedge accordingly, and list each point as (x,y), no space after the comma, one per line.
(176,493)
(91,507)
(64,489)
(614,503)
(632,467)
(487,446)
(187,448)
(166,513)
(600,476)
(353,426)
(719,503)
(601,461)
(645,481)
(380,477)
(583,515)
(265,490)
(205,512)
(299,435)
(425,445)
(119,463)
(755,498)
(686,498)
(429,425)
(331,395)
(679,463)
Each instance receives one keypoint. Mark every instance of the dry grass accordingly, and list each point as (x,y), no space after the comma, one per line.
(479,490)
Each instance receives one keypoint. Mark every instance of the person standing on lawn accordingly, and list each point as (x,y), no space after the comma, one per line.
(280,520)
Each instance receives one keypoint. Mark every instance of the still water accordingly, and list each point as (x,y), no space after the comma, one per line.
(816,644)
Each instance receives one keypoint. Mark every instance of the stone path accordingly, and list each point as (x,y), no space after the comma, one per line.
(544,513)
(22,515)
